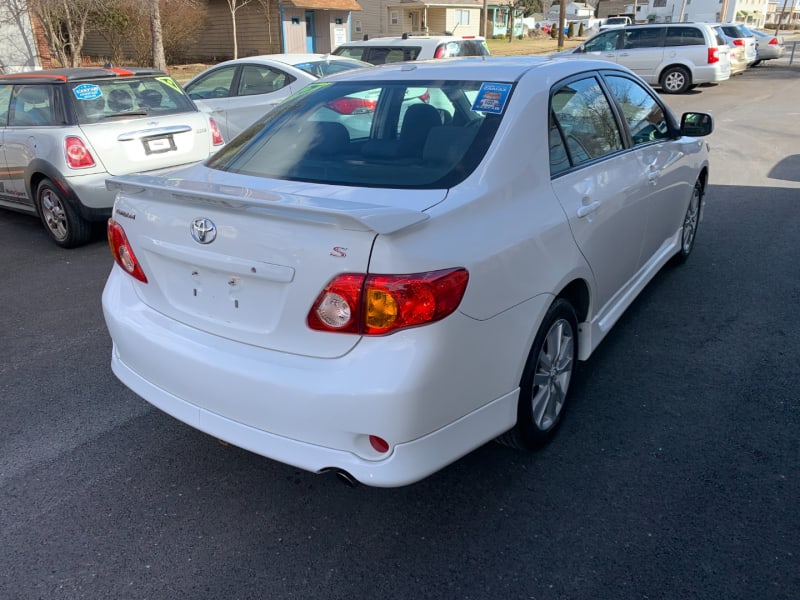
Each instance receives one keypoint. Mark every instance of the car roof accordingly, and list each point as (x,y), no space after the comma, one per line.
(290,59)
(76,74)
(499,69)
(409,40)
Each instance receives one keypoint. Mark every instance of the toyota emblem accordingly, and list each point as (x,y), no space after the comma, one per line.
(203,230)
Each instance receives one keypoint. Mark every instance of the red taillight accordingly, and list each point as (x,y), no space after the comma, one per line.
(352,106)
(383,304)
(738,42)
(426,97)
(78,156)
(216,134)
(773,42)
(713,55)
(440,50)
(122,251)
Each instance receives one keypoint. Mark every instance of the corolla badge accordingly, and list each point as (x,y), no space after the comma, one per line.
(203,230)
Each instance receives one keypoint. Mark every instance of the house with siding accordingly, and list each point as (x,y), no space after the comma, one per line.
(393,18)
(277,26)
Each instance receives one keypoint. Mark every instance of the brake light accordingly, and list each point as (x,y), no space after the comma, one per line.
(773,42)
(78,156)
(353,106)
(382,304)
(439,52)
(216,134)
(122,252)
(738,42)
(713,55)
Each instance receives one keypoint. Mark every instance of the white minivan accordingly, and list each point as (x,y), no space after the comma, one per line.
(673,56)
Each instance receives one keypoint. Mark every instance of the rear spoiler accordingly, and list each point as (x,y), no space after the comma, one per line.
(357,216)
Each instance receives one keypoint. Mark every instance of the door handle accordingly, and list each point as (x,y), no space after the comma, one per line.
(587,209)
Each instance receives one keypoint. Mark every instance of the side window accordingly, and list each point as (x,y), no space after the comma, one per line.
(604,42)
(646,37)
(5,101)
(216,84)
(258,79)
(31,105)
(684,36)
(646,118)
(583,115)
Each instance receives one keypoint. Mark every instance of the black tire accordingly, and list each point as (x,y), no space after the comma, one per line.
(691,220)
(675,80)
(65,226)
(544,387)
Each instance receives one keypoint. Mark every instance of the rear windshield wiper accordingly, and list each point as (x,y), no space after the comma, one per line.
(127,113)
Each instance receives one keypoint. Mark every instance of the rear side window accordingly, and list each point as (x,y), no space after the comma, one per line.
(380,55)
(684,36)
(603,42)
(582,125)
(32,105)
(99,100)
(418,135)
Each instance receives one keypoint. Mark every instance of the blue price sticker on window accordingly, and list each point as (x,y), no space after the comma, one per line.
(87,91)
(492,98)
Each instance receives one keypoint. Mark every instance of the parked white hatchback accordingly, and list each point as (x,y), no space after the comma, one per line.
(379,301)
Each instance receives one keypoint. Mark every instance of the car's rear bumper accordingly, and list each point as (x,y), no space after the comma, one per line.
(318,414)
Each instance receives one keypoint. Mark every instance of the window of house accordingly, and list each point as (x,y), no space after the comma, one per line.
(394,17)
(462,17)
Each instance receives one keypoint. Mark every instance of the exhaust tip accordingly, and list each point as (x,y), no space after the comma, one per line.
(346,478)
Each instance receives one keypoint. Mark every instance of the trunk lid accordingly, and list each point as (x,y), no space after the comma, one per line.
(247,263)
(145,144)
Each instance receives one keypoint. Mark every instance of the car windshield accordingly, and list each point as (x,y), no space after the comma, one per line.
(104,99)
(421,134)
(321,68)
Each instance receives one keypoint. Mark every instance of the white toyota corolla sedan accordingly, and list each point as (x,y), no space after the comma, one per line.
(402,263)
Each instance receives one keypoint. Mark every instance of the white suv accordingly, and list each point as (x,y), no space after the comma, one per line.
(674,56)
(383,50)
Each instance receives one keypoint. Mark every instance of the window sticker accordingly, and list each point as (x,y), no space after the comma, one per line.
(87,91)
(170,82)
(492,98)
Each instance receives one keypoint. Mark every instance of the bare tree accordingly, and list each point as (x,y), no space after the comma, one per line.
(235,5)
(265,6)
(64,23)
(159,60)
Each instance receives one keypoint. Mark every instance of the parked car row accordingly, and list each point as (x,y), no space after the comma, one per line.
(677,57)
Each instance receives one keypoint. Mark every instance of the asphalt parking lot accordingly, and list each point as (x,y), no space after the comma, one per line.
(676,473)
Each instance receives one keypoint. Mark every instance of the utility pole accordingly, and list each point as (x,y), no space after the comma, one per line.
(780,18)
(562,17)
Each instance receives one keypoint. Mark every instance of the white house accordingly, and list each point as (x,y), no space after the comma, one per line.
(751,12)
(18,49)
(576,11)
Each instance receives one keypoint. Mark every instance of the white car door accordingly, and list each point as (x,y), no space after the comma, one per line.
(596,185)
(655,155)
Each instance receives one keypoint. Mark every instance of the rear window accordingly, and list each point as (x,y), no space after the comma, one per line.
(461,48)
(734,31)
(99,100)
(422,134)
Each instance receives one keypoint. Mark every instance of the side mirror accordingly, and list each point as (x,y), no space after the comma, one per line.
(696,124)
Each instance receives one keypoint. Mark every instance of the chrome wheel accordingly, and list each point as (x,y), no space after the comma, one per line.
(53,213)
(690,221)
(552,375)
(675,80)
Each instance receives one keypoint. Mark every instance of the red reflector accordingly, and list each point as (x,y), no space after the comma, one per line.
(352,106)
(122,252)
(379,444)
(713,55)
(78,156)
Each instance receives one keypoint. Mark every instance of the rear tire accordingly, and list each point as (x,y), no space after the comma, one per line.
(65,226)
(676,80)
(544,387)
